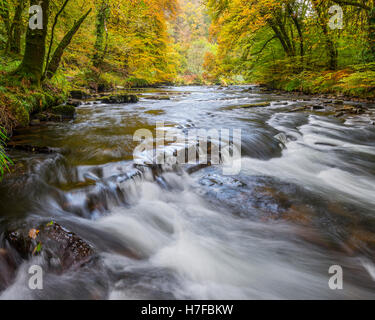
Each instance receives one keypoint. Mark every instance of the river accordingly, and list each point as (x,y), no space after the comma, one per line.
(303,202)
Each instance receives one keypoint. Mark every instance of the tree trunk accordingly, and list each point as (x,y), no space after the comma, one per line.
(56,58)
(370,9)
(329,42)
(14,41)
(371,33)
(4,14)
(33,60)
(100,45)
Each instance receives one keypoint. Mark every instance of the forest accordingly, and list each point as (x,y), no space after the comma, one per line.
(119,120)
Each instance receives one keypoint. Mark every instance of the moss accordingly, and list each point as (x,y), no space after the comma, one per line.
(67,111)
(20,112)
(49,100)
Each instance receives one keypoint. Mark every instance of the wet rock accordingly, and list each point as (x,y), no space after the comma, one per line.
(42,116)
(339,114)
(59,244)
(155,112)
(35,122)
(349,109)
(214,179)
(339,102)
(67,112)
(317,107)
(192,168)
(248,106)
(157,97)
(74,102)
(299,109)
(118,99)
(78,94)
(96,202)
(31,148)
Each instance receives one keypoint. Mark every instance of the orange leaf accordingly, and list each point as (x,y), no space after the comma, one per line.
(33,233)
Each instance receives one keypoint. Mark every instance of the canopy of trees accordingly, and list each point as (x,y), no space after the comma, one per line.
(99,42)
(263,39)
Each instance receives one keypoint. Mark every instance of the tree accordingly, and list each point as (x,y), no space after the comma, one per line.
(35,48)
(16,29)
(53,65)
(101,34)
(369,8)
(321,9)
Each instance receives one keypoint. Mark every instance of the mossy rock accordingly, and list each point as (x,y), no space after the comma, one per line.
(66,111)
(78,94)
(119,99)
(41,117)
(20,112)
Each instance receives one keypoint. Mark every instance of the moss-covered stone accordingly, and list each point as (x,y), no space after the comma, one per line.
(66,111)
(78,94)
(121,98)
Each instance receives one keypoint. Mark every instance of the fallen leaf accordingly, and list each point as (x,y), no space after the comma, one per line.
(33,233)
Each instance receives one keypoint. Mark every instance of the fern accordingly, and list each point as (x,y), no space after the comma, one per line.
(5,161)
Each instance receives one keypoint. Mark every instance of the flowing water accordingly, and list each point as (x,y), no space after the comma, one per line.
(303,202)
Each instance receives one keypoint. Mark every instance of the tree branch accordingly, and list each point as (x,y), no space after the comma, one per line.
(352,3)
(53,33)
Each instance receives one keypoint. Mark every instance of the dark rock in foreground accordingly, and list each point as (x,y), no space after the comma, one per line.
(65,248)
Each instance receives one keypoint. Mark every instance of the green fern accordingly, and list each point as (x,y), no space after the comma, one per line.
(5,161)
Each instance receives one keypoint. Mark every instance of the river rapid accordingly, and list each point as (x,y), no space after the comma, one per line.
(303,201)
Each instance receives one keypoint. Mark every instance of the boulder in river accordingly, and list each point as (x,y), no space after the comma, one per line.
(67,112)
(75,102)
(248,106)
(55,241)
(161,97)
(79,94)
(121,98)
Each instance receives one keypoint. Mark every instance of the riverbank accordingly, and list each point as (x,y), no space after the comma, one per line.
(357,83)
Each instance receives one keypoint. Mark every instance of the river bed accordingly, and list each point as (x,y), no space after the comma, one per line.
(303,201)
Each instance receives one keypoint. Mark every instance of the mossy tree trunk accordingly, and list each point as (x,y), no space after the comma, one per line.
(16,29)
(371,33)
(32,64)
(101,31)
(4,14)
(53,65)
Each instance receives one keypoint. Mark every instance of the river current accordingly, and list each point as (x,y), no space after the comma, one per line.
(303,201)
